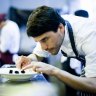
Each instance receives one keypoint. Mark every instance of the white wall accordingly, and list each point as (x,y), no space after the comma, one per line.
(27,4)
(71,5)
(4,6)
(90,6)
(31,4)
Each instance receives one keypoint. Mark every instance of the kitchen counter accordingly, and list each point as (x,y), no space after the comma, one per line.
(10,88)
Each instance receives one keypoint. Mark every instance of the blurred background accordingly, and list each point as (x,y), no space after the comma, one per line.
(19,10)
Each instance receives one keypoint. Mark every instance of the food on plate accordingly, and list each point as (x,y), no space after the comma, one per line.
(10,71)
(16,71)
(22,71)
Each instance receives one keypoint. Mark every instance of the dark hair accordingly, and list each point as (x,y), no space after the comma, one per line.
(43,19)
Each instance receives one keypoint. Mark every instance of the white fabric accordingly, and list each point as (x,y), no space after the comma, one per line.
(84,31)
(38,51)
(76,65)
(10,38)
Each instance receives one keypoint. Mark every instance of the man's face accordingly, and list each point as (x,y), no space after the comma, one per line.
(51,41)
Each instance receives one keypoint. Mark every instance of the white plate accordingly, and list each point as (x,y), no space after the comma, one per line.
(14,76)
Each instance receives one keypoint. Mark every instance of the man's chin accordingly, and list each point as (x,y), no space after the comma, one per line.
(53,53)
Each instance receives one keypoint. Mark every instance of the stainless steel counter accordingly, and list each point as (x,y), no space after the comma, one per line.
(9,88)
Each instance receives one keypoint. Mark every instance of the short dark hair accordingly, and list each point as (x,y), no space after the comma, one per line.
(43,19)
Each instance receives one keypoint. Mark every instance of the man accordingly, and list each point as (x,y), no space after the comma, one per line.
(48,28)
(9,40)
(73,65)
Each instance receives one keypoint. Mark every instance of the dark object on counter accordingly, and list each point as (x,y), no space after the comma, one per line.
(22,71)
(11,71)
(17,72)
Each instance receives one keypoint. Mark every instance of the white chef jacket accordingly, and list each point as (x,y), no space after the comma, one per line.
(84,31)
(10,38)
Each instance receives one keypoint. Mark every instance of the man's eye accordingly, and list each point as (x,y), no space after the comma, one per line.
(44,40)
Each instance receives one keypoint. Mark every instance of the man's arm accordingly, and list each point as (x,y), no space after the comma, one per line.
(85,84)
(35,57)
(78,83)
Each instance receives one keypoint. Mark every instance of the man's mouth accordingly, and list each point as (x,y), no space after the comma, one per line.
(51,50)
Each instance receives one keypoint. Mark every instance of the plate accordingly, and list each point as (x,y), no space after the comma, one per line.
(15,74)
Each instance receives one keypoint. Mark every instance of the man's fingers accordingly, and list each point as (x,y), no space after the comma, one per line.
(36,66)
(27,67)
(20,62)
(33,65)
(39,70)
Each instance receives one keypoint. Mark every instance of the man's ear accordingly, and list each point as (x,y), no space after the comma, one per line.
(61,27)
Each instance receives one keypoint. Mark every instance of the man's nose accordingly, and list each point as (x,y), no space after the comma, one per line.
(44,46)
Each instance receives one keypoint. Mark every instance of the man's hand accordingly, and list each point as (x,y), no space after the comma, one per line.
(41,67)
(22,61)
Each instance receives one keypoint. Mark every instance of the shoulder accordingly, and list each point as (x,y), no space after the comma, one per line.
(11,23)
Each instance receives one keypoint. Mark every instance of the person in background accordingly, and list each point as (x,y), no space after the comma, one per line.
(9,40)
(51,31)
